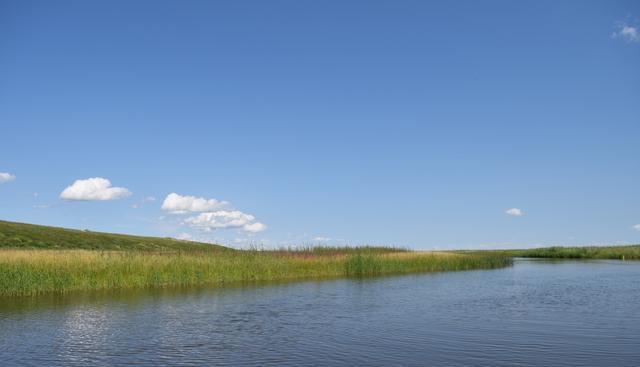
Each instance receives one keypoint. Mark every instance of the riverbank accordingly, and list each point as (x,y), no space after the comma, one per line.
(37,260)
(31,272)
(573,313)
(630,252)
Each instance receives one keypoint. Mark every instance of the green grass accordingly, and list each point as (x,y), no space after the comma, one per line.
(592,252)
(368,264)
(337,250)
(38,260)
(631,252)
(31,272)
(31,236)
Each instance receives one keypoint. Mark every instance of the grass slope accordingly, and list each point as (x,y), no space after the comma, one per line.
(31,236)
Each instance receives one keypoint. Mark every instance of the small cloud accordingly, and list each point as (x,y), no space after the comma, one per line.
(626,32)
(225,219)
(211,216)
(514,212)
(146,200)
(254,227)
(637,227)
(35,194)
(6,177)
(179,204)
(321,239)
(94,189)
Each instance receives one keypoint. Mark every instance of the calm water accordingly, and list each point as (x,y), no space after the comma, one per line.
(536,313)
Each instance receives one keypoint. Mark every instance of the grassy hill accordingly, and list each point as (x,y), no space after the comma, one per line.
(31,236)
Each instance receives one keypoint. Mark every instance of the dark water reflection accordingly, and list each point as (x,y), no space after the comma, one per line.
(535,313)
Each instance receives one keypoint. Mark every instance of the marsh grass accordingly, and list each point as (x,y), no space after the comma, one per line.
(631,252)
(31,272)
(600,252)
(38,259)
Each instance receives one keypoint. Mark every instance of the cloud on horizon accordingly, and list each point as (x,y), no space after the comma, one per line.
(225,219)
(179,204)
(93,189)
(211,216)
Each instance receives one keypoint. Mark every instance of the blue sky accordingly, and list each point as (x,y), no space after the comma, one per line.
(407,123)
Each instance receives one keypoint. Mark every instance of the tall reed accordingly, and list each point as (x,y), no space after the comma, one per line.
(29,272)
(629,252)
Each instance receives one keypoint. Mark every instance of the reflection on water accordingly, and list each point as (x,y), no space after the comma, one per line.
(534,313)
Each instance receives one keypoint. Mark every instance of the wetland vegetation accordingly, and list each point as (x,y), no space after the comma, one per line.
(37,259)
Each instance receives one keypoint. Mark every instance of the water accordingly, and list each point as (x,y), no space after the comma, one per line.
(536,313)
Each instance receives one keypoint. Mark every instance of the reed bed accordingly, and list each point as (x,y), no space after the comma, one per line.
(590,252)
(630,252)
(35,271)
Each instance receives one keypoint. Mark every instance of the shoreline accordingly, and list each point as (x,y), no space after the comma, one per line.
(32,272)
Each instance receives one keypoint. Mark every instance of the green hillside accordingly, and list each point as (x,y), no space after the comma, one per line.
(20,235)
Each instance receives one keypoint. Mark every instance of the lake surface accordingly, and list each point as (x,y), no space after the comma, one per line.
(536,313)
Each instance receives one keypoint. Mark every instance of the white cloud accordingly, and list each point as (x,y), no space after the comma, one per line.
(626,32)
(515,212)
(637,227)
(225,219)
(96,188)
(254,227)
(321,239)
(6,177)
(178,204)
(211,215)
(219,219)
